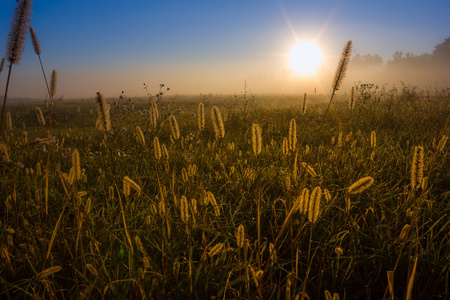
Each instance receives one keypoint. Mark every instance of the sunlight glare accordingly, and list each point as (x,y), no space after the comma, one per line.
(305,58)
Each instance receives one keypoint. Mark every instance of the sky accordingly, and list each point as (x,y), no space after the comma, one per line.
(202,47)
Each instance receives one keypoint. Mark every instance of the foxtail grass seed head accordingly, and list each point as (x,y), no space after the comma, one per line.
(314,204)
(8,121)
(129,184)
(40,116)
(140,136)
(218,125)
(285,146)
(2,64)
(35,41)
(76,165)
(201,116)
(327,195)
(292,135)
(417,168)
(153,116)
(309,169)
(103,113)
(360,185)
(240,236)
(215,250)
(156,148)
(174,127)
(304,104)
(442,142)
(351,100)
(4,153)
(256,139)
(302,201)
(184,209)
(373,139)
(18,30)
(53,84)
(342,66)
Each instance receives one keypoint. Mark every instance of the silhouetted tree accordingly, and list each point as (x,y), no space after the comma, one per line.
(441,53)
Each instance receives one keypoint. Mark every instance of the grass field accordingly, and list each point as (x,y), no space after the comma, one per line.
(243,211)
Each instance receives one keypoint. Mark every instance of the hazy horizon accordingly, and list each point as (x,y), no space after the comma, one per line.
(213,47)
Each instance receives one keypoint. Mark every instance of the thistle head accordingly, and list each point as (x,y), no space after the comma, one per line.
(35,41)
(18,30)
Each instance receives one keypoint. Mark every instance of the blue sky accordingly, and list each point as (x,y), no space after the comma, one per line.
(206,46)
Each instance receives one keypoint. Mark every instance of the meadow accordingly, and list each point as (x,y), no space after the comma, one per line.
(228,197)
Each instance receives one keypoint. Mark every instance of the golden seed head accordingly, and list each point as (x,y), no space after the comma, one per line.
(360,185)
(342,66)
(314,204)
(156,148)
(256,139)
(218,125)
(140,136)
(373,139)
(216,249)
(417,168)
(174,127)
(292,135)
(240,236)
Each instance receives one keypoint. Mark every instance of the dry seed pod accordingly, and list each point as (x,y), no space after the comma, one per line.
(360,185)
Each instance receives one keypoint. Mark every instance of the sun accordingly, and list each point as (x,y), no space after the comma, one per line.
(305,58)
